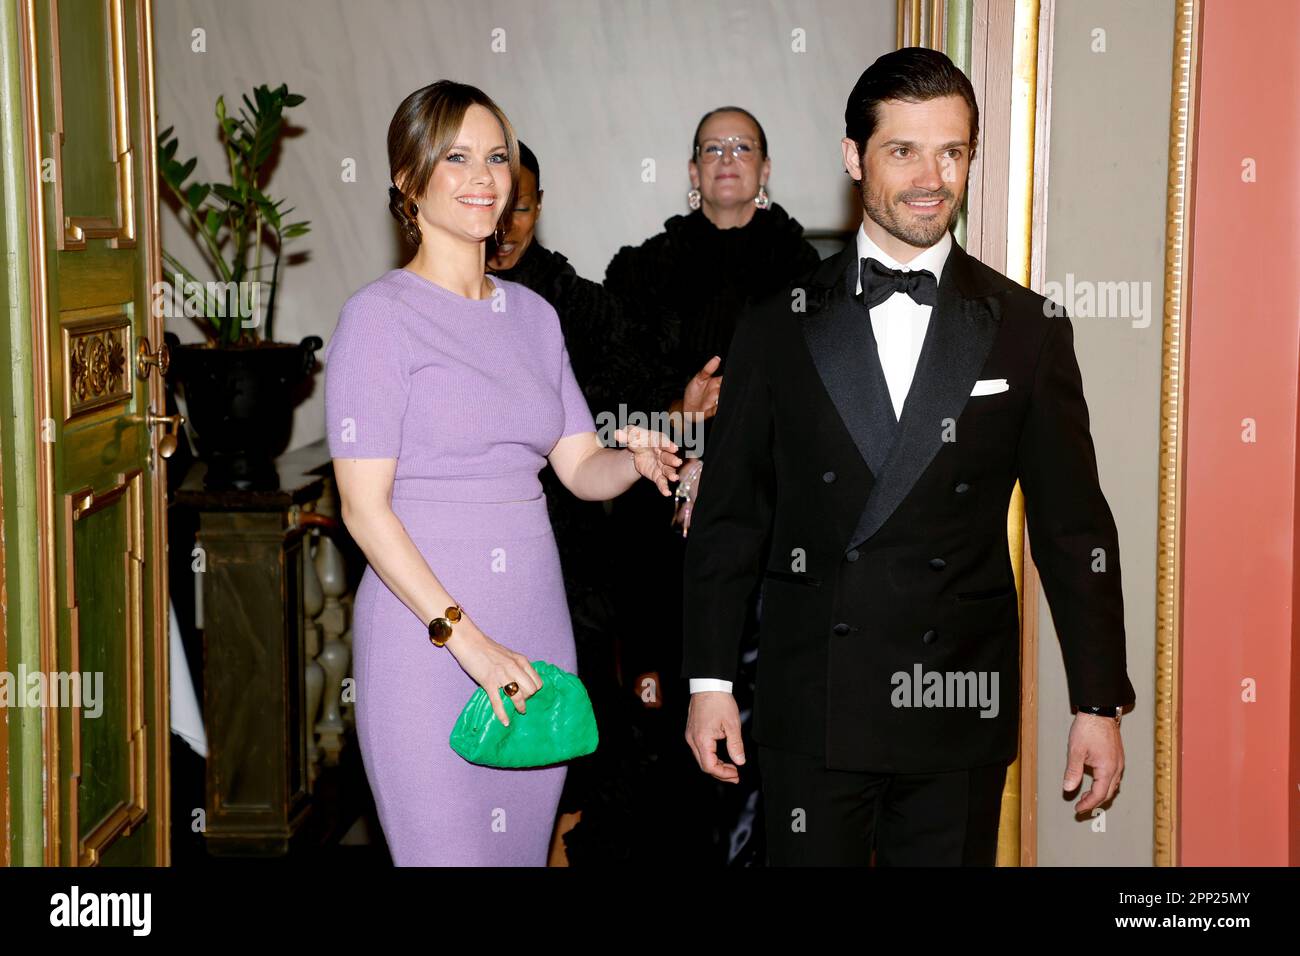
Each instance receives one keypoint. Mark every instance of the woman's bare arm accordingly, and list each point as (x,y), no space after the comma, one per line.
(596,473)
(365,488)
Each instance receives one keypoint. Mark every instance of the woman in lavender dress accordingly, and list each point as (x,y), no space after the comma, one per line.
(446,392)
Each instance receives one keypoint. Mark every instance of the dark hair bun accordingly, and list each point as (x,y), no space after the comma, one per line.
(404,212)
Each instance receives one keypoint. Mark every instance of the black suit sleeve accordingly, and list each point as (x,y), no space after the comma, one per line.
(1072,533)
(733,511)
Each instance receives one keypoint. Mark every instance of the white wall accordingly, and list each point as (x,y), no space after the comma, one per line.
(1106,217)
(595,87)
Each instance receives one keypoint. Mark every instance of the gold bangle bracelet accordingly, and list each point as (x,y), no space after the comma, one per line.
(440,628)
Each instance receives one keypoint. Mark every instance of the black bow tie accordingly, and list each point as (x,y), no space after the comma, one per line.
(879,282)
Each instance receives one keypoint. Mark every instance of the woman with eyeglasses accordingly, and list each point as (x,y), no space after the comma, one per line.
(691,282)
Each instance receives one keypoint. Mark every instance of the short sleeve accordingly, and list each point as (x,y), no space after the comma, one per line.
(367,381)
(577,415)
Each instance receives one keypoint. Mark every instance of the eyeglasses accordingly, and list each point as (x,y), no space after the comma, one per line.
(742,149)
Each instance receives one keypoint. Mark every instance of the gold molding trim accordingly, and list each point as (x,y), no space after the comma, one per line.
(126,493)
(75,230)
(1019,245)
(1029,632)
(1179,205)
(1020,179)
(921,23)
(96,367)
(43,405)
(158,504)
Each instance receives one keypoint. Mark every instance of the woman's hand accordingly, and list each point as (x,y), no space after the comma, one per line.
(493,666)
(688,489)
(701,396)
(652,455)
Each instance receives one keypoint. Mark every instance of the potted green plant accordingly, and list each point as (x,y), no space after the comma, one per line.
(238,383)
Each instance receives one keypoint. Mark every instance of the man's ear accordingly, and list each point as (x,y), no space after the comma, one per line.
(852,157)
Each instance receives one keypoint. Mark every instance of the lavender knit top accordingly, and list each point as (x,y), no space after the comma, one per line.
(469,396)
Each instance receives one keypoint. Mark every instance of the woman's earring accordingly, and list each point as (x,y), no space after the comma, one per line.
(762,200)
(499,235)
(693,199)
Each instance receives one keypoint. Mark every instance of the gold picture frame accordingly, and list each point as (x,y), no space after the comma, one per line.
(1173,403)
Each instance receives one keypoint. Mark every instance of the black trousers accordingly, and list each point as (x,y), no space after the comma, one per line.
(821,817)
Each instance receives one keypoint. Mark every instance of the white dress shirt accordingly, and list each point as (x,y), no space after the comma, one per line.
(899,325)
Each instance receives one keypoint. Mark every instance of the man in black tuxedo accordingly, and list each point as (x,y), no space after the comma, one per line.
(871,426)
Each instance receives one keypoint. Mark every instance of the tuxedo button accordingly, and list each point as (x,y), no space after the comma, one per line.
(828,477)
(929,637)
(841,629)
(938,564)
(852,555)
(962,488)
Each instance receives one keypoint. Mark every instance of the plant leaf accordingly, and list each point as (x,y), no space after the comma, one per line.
(227,193)
(195,195)
(269,213)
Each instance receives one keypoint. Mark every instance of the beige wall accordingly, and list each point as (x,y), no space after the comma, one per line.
(1106,213)
(595,87)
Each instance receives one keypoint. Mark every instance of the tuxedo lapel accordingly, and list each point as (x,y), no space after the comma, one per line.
(957,342)
(843,348)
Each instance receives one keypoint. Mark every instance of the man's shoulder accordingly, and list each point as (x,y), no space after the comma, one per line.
(1016,303)
(771,323)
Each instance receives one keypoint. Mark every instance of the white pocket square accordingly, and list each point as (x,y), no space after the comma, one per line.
(989,386)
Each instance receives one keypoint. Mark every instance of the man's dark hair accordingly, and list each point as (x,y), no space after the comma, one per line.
(914,75)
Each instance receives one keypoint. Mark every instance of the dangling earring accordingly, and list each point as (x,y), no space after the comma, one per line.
(762,200)
(693,199)
(499,235)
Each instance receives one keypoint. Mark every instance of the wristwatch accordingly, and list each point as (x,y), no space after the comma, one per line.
(1115,712)
(440,628)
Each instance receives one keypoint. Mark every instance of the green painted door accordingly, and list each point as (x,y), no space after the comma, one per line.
(98,620)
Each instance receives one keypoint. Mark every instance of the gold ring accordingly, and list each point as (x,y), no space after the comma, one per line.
(511,689)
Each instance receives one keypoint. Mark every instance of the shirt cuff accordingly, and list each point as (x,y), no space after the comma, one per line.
(699,684)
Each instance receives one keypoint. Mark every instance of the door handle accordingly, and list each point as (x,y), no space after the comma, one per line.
(166,444)
(144,358)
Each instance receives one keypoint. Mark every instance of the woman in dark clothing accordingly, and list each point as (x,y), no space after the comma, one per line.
(604,818)
(689,285)
(667,308)
(736,247)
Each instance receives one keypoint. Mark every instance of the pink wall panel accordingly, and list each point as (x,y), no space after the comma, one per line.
(1240,547)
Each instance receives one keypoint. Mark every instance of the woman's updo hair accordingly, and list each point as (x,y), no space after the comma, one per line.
(762,136)
(422,131)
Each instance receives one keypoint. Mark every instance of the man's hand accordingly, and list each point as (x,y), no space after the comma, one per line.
(1095,743)
(714,716)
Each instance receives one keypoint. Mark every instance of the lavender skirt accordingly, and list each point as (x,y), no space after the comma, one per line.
(499,560)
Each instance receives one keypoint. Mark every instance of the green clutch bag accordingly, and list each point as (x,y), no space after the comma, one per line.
(558,726)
